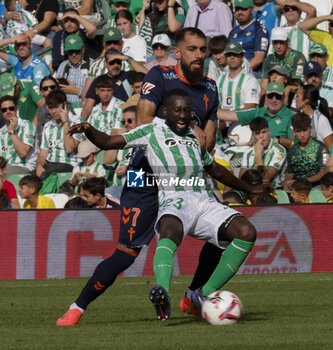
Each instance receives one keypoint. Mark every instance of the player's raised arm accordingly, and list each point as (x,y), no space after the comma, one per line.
(221,174)
(98,138)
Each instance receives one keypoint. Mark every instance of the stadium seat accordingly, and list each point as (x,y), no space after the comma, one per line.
(15,179)
(282,197)
(59,199)
(316,196)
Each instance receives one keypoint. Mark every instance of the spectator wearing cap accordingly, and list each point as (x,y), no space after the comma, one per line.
(293,10)
(251,34)
(70,23)
(161,47)
(106,115)
(112,39)
(282,55)
(213,17)
(237,91)
(318,53)
(89,166)
(216,64)
(313,74)
(72,73)
(277,115)
(267,13)
(320,36)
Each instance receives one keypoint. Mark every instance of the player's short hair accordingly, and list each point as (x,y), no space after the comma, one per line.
(180,35)
(217,44)
(32,181)
(258,124)
(104,81)
(3,162)
(173,93)
(55,98)
(327,179)
(300,121)
(95,185)
(301,186)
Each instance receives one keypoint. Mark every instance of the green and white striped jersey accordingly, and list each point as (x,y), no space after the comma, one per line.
(275,156)
(95,169)
(53,141)
(108,120)
(27,21)
(26,131)
(176,161)
(298,40)
(326,90)
(237,91)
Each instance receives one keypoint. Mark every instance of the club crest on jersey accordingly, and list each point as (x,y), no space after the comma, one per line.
(146,87)
(173,142)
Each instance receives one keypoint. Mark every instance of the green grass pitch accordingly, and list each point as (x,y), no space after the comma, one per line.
(287,311)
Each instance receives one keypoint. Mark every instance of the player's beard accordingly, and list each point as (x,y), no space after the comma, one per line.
(193,76)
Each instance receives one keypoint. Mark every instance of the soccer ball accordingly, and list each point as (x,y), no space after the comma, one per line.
(222,308)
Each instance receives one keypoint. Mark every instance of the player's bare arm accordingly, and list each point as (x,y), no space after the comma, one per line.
(210,132)
(98,138)
(146,111)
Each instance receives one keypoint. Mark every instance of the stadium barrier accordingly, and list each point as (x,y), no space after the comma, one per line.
(68,244)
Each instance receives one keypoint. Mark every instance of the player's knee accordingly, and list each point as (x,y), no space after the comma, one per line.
(171,227)
(240,228)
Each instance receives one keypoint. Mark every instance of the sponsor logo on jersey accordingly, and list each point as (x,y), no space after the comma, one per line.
(172,142)
(146,87)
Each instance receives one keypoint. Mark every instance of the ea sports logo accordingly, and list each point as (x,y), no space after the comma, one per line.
(284,243)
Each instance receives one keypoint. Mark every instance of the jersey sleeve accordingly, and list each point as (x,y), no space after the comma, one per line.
(12,60)
(9,189)
(206,158)
(138,136)
(278,159)
(246,117)
(44,143)
(153,86)
(29,133)
(251,91)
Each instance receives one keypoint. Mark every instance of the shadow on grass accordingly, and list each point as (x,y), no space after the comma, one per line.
(257,316)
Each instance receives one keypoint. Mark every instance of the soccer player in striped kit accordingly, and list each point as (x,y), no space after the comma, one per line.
(186,202)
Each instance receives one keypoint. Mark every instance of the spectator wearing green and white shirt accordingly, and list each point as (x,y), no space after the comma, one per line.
(17,139)
(74,70)
(292,10)
(106,115)
(266,155)
(88,167)
(58,149)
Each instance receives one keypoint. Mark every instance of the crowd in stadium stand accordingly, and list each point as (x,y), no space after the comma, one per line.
(67,61)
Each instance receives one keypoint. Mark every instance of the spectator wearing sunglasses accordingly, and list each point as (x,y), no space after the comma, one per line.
(72,73)
(320,36)
(275,112)
(283,55)
(293,10)
(26,65)
(161,47)
(17,139)
(71,22)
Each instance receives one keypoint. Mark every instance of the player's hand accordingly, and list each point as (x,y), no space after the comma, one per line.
(78,128)
(12,15)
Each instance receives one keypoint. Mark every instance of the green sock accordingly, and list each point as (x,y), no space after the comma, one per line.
(230,261)
(164,261)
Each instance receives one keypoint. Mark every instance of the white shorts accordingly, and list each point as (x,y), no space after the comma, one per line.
(200,215)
